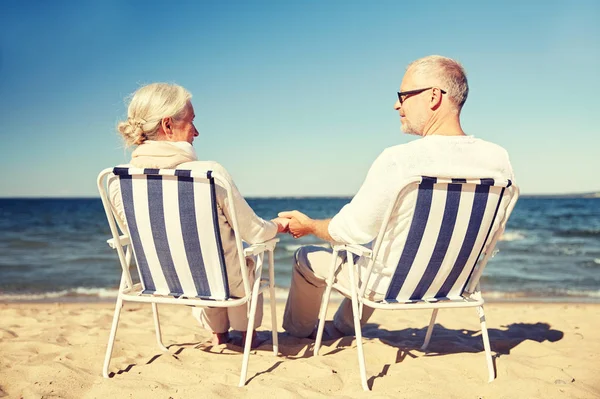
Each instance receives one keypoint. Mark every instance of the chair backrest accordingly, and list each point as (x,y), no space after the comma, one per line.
(449,225)
(172,222)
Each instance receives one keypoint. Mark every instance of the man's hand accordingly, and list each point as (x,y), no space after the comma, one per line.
(282,224)
(299,224)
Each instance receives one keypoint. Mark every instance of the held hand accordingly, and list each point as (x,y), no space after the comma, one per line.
(299,224)
(282,224)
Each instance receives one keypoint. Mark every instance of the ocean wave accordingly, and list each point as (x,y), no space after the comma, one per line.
(91,294)
(71,293)
(512,236)
(82,292)
(281,294)
(85,259)
(295,247)
(503,295)
(568,250)
(578,293)
(20,243)
(552,294)
(590,263)
(584,233)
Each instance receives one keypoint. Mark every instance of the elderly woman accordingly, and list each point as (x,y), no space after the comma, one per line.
(160,122)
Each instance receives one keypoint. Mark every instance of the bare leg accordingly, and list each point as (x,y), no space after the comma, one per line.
(220,338)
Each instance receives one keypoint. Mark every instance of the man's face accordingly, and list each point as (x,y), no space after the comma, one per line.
(414,107)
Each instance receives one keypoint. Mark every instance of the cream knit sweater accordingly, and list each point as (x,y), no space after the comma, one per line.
(181,155)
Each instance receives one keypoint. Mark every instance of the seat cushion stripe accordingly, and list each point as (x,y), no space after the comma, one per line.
(213,196)
(125,182)
(477,212)
(441,246)
(159,233)
(191,238)
(413,240)
(487,235)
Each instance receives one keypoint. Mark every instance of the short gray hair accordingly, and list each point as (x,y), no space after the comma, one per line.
(148,106)
(445,72)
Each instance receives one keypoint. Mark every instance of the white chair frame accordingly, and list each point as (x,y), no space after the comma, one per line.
(132,292)
(356,292)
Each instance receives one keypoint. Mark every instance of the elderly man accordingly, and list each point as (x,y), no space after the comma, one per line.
(432,94)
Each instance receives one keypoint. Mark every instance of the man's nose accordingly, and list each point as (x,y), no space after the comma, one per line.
(397,105)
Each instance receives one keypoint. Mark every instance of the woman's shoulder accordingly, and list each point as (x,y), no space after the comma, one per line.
(205,166)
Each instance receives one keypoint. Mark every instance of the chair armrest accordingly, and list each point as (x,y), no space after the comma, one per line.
(255,249)
(124,239)
(354,248)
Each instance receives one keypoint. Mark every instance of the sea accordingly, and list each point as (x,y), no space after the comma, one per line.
(54,249)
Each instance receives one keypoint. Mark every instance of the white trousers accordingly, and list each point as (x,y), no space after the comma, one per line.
(301,314)
(220,320)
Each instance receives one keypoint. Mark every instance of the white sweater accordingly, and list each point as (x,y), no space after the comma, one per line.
(441,156)
(359,221)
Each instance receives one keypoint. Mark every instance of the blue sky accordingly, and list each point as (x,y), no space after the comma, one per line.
(293,98)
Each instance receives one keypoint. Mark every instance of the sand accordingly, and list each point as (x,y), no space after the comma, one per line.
(548,350)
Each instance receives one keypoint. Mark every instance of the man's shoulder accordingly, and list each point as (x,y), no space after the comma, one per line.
(412,147)
(400,152)
(496,150)
(400,148)
(487,143)
(443,141)
(457,142)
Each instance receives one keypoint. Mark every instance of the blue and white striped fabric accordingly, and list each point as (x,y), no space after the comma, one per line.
(173,224)
(453,221)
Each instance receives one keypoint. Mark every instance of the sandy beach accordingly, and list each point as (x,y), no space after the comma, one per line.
(547,350)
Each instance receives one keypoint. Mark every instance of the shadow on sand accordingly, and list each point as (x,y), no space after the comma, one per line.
(408,341)
(443,340)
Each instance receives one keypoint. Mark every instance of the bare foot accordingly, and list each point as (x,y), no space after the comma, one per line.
(220,338)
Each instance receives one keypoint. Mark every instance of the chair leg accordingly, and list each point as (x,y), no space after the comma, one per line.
(157,328)
(111,337)
(486,344)
(359,346)
(273,304)
(249,331)
(322,316)
(324,305)
(357,326)
(429,329)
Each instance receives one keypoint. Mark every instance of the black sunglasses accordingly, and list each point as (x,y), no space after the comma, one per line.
(411,92)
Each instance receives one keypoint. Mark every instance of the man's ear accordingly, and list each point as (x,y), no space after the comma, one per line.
(436,99)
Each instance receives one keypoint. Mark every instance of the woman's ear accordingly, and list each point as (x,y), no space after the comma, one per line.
(167,124)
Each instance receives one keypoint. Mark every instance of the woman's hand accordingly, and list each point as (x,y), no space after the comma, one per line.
(299,224)
(282,224)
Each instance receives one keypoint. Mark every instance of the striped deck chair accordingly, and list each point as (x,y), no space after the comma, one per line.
(173,234)
(452,226)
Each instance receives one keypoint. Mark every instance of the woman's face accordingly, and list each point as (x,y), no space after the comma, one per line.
(184,129)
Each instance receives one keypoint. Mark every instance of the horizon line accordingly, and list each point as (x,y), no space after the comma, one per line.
(586,194)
